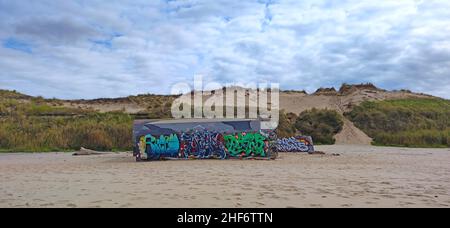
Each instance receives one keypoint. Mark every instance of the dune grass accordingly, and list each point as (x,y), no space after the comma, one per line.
(414,122)
(34,125)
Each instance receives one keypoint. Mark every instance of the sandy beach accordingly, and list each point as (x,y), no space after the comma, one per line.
(362,176)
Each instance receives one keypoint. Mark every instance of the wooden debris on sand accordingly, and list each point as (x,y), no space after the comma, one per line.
(83,151)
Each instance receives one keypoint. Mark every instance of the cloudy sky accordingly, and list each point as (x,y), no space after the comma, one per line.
(91,49)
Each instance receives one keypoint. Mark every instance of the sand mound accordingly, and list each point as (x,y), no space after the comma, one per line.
(352,135)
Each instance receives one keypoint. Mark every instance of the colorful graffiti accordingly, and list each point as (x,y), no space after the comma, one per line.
(142,146)
(166,146)
(203,145)
(295,144)
(246,144)
(201,140)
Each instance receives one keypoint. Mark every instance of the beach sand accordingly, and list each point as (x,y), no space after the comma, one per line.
(362,176)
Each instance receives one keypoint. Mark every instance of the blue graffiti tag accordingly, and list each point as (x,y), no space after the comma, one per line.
(203,144)
(167,146)
(295,144)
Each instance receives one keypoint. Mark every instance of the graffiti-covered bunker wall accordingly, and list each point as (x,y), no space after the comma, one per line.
(201,138)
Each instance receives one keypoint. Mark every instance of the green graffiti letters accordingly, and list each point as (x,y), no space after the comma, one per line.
(246,144)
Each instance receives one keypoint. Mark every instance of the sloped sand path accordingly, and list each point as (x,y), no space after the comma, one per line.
(351,135)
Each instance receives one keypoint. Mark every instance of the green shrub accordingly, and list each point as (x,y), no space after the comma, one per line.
(286,125)
(322,125)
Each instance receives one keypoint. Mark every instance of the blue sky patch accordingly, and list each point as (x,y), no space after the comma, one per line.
(17,45)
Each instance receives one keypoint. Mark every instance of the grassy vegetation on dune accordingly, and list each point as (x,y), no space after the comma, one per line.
(105,132)
(7,94)
(414,122)
(37,126)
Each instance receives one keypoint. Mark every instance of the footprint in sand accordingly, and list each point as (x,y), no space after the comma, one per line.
(47,205)
(315,205)
(259,204)
(126,205)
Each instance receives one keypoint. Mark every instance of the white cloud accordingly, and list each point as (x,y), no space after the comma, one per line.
(89,49)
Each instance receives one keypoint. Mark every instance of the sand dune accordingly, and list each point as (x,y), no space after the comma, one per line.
(296,102)
(351,135)
(363,176)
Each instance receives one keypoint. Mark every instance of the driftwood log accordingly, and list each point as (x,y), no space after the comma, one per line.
(317,152)
(83,151)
